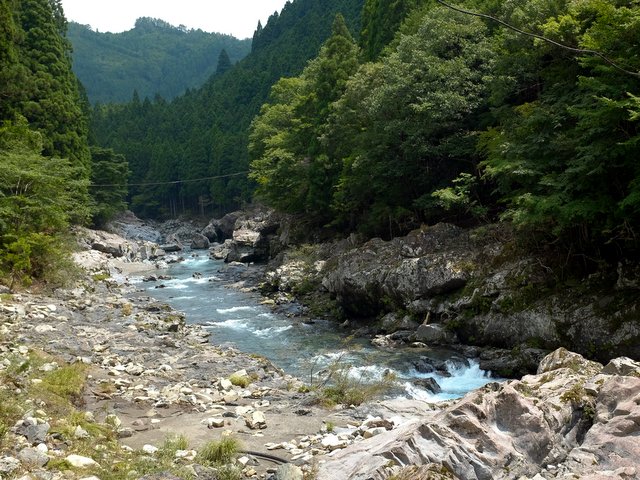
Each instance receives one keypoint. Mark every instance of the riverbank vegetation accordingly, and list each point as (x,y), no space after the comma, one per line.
(45,160)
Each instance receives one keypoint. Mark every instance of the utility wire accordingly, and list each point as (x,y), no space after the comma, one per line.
(540,37)
(175,182)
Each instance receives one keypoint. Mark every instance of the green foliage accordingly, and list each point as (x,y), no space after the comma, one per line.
(44,157)
(240,380)
(109,173)
(405,126)
(152,58)
(36,199)
(205,132)
(293,169)
(66,382)
(46,93)
(454,118)
(564,159)
(381,20)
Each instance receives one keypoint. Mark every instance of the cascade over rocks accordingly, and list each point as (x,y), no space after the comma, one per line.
(572,418)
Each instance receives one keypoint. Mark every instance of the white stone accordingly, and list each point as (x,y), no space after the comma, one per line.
(215,422)
(372,432)
(149,449)
(80,432)
(113,420)
(256,420)
(79,461)
(44,328)
(331,442)
(225,384)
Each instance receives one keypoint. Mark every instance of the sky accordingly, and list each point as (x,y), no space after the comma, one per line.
(235,17)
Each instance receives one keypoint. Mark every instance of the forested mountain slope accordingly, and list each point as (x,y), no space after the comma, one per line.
(45,159)
(205,132)
(153,58)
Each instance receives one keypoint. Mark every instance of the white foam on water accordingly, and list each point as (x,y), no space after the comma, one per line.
(195,261)
(463,379)
(271,331)
(223,311)
(233,324)
(175,286)
(182,298)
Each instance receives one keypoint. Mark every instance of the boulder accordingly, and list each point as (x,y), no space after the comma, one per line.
(622,366)
(223,227)
(428,262)
(289,472)
(32,457)
(562,358)
(256,420)
(79,461)
(430,384)
(200,242)
(211,233)
(434,334)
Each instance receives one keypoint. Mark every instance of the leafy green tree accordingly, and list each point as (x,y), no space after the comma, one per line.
(565,160)
(381,19)
(291,166)
(108,190)
(34,206)
(405,126)
(50,98)
(224,62)
(205,131)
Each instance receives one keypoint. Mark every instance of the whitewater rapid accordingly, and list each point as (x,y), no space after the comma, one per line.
(197,287)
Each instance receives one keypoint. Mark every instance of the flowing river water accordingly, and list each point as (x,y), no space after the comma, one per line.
(199,289)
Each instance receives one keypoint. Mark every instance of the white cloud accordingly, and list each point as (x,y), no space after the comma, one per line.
(235,17)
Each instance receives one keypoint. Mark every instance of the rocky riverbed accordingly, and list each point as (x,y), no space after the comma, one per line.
(149,377)
(151,383)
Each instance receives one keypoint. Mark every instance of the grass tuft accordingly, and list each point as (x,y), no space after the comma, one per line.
(221,452)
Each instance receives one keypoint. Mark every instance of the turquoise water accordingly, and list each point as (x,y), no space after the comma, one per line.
(304,350)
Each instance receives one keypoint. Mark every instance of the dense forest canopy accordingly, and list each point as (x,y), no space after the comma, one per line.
(45,159)
(152,58)
(464,118)
(372,116)
(204,133)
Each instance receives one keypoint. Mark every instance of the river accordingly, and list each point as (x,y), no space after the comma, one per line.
(199,288)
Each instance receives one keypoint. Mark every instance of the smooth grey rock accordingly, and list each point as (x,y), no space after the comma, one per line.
(33,431)
(79,461)
(33,457)
(256,420)
(199,242)
(434,335)
(429,384)
(289,472)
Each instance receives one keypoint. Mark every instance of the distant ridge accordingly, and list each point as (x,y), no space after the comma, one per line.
(152,58)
